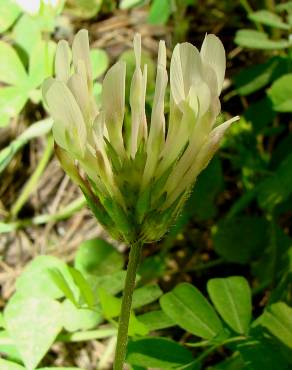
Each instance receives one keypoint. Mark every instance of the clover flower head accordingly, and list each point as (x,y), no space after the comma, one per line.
(136,172)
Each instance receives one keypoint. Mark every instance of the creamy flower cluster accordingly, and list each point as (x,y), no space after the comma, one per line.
(136,171)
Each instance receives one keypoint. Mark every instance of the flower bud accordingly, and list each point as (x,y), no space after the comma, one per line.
(137,180)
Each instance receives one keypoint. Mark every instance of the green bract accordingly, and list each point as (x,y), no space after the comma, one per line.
(136,175)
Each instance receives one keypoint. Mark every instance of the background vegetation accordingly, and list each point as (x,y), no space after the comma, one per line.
(216,292)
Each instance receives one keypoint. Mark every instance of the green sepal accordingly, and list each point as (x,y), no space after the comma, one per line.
(113,156)
(171,212)
(158,185)
(159,202)
(120,218)
(101,215)
(158,223)
(140,157)
(68,165)
(143,205)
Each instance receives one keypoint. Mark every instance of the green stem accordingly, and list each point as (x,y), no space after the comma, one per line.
(60,215)
(122,340)
(213,348)
(32,183)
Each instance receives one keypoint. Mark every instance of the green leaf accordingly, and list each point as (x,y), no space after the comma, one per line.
(157,352)
(112,284)
(85,8)
(8,348)
(33,323)
(27,33)
(79,318)
(145,295)
(152,267)
(232,299)
(286,6)
(267,267)
(235,362)
(111,306)
(254,78)
(259,40)
(8,365)
(202,203)
(7,228)
(260,114)
(4,119)
(2,322)
(41,62)
(60,368)
(262,354)
(9,12)
(278,320)
(189,309)
(99,62)
(62,284)
(281,93)
(12,100)
(281,151)
(83,285)
(230,241)
(159,12)
(98,257)
(268,19)
(136,327)
(127,4)
(11,69)
(278,187)
(156,320)
(37,278)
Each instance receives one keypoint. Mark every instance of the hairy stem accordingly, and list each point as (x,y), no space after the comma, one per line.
(122,340)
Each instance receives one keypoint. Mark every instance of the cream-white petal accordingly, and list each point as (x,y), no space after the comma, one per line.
(210,78)
(185,70)
(210,146)
(157,125)
(63,61)
(98,131)
(213,53)
(161,61)
(65,110)
(176,76)
(137,100)
(199,98)
(203,156)
(113,104)
(177,140)
(78,87)
(143,129)
(80,51)
(45,87)
(59,134)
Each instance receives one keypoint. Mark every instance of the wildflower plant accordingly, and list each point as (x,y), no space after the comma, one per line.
(136,174)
